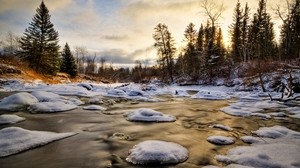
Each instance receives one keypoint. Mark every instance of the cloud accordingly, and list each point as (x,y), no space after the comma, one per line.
(115,37)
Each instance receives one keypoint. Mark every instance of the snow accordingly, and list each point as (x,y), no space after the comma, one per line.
(94,107)
(14,139)
(10,119)
(44,96)
(275,146)
(211,95)
(223,127)
(181,93)
(116,93)
(17,101)
(148,115)
(51,107)
(220,140)
(158,152)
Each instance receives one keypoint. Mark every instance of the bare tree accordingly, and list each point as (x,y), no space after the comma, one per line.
(10,44)
(212,10)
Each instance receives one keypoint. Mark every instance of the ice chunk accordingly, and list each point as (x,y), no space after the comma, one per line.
(134,93)
(264,116)
(50,107)
(211,95)
(14,139)
(94,107)
(157,152)
(16,101)
(10,119)
(220,140)
(148,115)
(251,139)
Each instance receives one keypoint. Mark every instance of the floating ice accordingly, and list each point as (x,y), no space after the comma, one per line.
(14,139)
(223,127)
(51,107)
(220,140)
(275,147)
(94,107)
(148,115)
(10,119)
(157,152)
(16,101)
(211,95)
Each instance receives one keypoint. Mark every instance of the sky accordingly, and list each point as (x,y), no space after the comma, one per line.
(119,30)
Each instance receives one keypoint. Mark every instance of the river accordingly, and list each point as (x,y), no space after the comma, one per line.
(104,139)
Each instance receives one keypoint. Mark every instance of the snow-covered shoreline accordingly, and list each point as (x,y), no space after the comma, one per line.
(45,98)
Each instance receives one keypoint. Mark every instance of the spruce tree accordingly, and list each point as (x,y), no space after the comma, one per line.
(191,58)
(236,32)
(68,64)
(39,44)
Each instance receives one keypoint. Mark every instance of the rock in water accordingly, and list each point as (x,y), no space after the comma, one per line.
(157,152)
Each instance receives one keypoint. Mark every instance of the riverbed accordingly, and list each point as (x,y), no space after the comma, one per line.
(105,138)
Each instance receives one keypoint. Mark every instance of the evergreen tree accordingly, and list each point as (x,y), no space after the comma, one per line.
(262,34)
(200,39)
(244,33)
(290,32)
(39,43)
(191,55)
(236,33)
(164,42)
(68,64)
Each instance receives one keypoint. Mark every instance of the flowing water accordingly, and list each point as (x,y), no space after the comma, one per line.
(104,139)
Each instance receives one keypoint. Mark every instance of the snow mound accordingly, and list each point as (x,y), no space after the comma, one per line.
(157,152)
(223,127)
(51,107)
(135,93)
(116,93)
(14,139)
(240,111)
(94,107)
(10,119)
(220,140)
(44,96)
(16,101)
(211,95)
(148,115)
(276,132)
(275,147)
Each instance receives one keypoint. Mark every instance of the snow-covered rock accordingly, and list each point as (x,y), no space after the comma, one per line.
(14,139)
(51,107)
(10,119)
(44,96)
(148,115)
(276,146)
(157,152)
(223,127)
(116,93)
(135,93)
(240,111)
(181,93)
(221,140)
(94,107)
(17,101)
(211,95)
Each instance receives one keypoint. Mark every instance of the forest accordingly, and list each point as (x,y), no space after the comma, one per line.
(253,48)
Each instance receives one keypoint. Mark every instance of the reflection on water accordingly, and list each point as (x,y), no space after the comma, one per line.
(105,139)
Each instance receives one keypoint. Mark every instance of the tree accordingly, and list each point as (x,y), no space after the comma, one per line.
(39,44)
(165,45)
(261,34)
(236,33)
(68,64)
(244,33)
(290,31)
(10,44)
(191,56)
